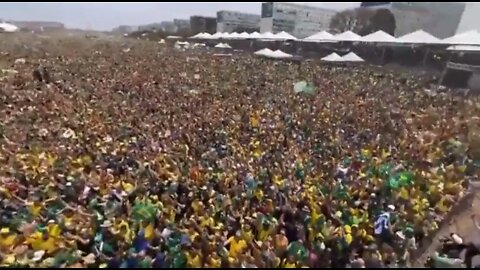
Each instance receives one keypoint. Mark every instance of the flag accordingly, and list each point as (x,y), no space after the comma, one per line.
(144,211)
(304,87)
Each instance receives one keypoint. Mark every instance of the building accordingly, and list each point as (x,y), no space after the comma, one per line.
(125,29)
(200,24)
(440,19)
(234,21)
(182,24)
(469,20)
(298,20)
(39,26)
(168,27)
(151,27)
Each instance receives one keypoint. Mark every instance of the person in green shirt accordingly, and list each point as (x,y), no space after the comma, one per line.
(179,259)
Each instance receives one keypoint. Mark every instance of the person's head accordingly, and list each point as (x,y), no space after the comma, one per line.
(238,235)
(265,225)
(45,234)
(4,231)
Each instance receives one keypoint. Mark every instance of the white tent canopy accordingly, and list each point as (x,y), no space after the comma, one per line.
(199,35)
(284,36)
(199,45)
(267,35)
(233,35)
(223,46)
(323,36)
(419,37)
(333,57)
(278,54)
(202,36)
(8,27)
(379,37)
(255,35)
(263,51)
(243,35)
(352,57)
(182,43)
(218,35)
(467,38)
(347,36)
(464,48)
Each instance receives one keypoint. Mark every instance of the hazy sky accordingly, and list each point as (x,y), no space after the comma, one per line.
(105,16)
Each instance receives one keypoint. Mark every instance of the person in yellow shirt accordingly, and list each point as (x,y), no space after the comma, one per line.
(237,244)
(247,233)
(254,120)
(347,234)
(194,259)
(289,262)
(149,229)
(7,239)
(54,229)
(43,241)
(214,261)
(265,230)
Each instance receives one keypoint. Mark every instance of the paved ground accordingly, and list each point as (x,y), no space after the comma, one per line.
(463,225)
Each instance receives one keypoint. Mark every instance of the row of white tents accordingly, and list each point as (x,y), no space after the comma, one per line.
(244,35)
(278,54)
(349,57)
(470,38)
(333,57)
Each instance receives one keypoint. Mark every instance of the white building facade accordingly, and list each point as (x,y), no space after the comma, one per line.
(298,20)
(440,19)
(230,21)
(470,18)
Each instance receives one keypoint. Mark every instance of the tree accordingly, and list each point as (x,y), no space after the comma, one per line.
(384,20)
(355,20)
(249,30)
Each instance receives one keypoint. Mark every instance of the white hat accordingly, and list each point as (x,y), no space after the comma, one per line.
(391,207)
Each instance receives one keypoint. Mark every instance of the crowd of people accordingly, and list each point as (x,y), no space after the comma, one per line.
(148,157)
